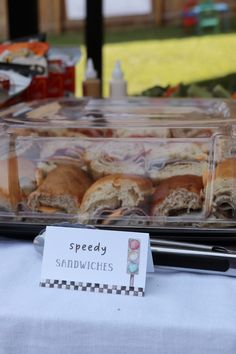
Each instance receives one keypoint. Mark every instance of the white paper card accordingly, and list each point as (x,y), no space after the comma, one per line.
(95,260)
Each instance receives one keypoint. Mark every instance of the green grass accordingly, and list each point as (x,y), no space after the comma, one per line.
(152,56)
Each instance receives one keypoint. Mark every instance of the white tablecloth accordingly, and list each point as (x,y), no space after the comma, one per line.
(181,313)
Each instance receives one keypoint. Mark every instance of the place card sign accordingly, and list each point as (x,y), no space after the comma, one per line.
(111,262)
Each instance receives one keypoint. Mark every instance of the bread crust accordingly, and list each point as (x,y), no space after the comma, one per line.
(143,186)
(117,180)
(191,183)
(63,188)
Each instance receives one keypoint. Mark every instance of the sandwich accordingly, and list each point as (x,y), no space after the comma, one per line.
(165,160)
(105,158)
(177,195)
(224,189)
(113,192)
(61,190)
(64,151)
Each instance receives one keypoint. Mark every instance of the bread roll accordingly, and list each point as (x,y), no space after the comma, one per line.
(176,195)
(175,159)
(62,189)
(115,191)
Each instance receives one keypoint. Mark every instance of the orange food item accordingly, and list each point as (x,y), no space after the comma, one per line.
(38,48)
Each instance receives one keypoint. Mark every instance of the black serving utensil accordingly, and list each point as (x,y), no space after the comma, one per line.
(194,257)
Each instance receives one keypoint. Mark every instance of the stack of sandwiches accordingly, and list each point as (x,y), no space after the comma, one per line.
(110,183)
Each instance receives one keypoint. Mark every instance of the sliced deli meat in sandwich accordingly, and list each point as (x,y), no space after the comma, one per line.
(224,189)
(177,195)
(175,159)
(114,192)
(61,190)
(115,157)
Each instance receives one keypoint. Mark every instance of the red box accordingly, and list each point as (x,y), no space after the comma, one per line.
(69,79)
(37,89)
(56,73)
(55,86)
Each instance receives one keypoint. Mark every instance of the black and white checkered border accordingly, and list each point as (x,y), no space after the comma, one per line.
(92,287)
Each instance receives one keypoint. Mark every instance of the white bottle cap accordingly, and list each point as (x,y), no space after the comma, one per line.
(90,72)
(117,73)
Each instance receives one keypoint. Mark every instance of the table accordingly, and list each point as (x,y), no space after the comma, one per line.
(181,313)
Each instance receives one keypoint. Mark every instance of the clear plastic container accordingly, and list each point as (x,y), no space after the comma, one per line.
(201,108)
(221,182)
(115,170)
(96,180)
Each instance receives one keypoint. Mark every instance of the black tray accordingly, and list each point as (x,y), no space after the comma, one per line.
(222,237)
(206,236)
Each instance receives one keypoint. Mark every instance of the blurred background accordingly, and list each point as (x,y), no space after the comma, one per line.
(159,42)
